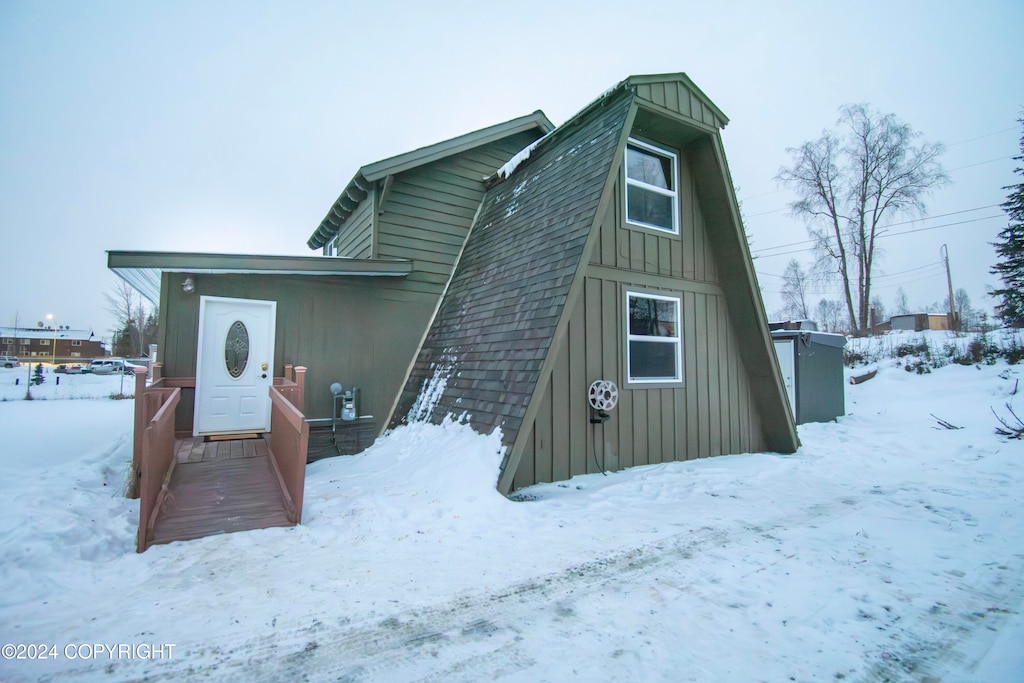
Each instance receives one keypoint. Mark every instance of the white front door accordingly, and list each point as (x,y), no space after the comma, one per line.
(234,365)
(784,352)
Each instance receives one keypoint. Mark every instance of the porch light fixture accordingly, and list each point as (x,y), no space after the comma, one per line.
(188,285)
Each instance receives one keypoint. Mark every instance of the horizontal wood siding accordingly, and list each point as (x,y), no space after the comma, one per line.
(711,414)
(686,255)
(429,210)
(355,239)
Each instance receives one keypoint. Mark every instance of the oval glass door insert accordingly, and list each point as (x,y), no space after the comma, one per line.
(236,349)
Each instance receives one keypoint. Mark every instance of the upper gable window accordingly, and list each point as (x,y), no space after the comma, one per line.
(652,195)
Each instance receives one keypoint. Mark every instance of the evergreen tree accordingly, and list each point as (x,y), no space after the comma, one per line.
(1010,248)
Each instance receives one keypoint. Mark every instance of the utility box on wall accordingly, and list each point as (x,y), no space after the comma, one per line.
(812,368)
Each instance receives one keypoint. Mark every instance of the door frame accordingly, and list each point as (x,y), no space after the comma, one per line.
(271,339)
(787,360)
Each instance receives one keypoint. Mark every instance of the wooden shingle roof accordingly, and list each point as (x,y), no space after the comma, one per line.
(495,325)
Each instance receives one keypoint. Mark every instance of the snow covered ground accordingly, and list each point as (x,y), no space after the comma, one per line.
(886,548)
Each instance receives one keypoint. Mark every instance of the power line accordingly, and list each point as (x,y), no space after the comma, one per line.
(986,135)
(879,234)
(952,144)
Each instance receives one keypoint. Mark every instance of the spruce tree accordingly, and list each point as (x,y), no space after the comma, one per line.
(1010,248)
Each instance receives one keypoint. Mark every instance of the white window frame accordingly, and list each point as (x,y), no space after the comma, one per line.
(76,342)
(677,339)
(674,193)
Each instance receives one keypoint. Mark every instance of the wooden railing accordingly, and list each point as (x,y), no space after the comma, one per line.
(153,450)
(293,385)
(157,454)
(289,440)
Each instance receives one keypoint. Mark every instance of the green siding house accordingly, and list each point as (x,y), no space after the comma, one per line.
(496,276)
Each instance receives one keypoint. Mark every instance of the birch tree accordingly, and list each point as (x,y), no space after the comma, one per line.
(850,183)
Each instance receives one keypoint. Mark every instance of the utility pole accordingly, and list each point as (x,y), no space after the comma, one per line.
(953,322)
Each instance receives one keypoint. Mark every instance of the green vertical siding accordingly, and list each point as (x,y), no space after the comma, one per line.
(686,255)
(709,415)
(676,97)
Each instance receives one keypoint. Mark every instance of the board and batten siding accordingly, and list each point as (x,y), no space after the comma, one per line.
(712,413)
(428,210)
(676,97)
(686,255)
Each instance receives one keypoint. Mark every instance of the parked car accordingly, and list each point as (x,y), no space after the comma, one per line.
(69,369)
(107,366)
(9,361)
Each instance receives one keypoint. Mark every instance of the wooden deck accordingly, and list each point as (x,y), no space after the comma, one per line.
(218,487)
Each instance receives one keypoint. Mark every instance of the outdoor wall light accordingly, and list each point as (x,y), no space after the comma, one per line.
(188,285)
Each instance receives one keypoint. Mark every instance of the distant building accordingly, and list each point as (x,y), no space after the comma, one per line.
(920,321)
(38,342)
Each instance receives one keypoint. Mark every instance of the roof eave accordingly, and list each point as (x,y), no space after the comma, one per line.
(143,269)
(364,178)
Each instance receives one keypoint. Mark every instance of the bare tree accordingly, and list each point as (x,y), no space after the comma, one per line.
(849,183)
(829,314)
(794,291)
(129,309)
(902,305)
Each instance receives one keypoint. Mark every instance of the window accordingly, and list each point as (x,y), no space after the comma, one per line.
(44,342)
(654,347)
(76,342)
(651,194)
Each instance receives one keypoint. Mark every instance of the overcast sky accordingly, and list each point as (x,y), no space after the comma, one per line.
(233,126)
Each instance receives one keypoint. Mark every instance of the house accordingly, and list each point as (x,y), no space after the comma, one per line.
(495,277)
(29,343)
(917,322)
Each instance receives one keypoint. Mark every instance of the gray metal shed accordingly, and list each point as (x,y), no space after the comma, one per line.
(812,368)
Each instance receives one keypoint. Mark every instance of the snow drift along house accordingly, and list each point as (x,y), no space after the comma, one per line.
(506,270)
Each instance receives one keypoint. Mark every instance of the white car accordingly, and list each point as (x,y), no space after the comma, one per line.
(107,366)
(9,361)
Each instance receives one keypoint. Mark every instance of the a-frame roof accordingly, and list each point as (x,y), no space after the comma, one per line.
(358,188)
(496,322)
(505,309)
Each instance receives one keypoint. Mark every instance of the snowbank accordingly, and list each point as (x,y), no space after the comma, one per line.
(887,547)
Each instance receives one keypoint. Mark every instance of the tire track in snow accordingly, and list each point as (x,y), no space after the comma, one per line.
(483,635)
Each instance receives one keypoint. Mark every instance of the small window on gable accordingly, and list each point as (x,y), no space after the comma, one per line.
(654,344)
(652,194)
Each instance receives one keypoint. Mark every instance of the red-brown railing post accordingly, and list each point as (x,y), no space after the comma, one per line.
(300,380)
(132,488)
(158,371)
(288,374)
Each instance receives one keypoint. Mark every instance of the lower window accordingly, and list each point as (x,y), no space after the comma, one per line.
(655,349)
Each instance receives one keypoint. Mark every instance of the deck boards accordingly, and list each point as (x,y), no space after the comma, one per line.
(218,487)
